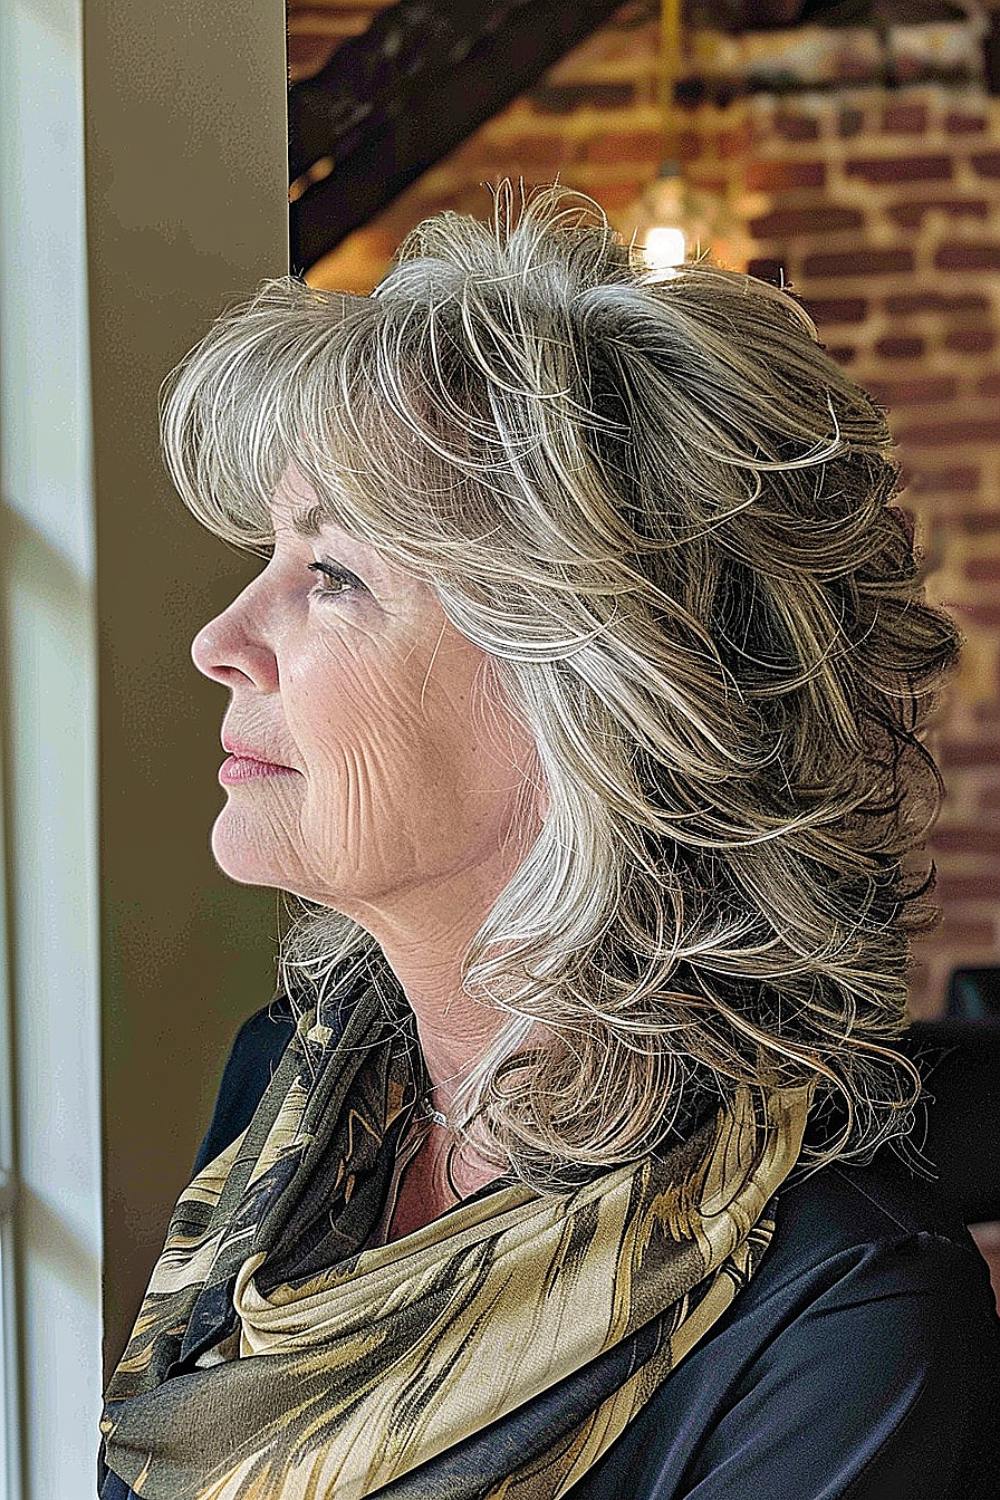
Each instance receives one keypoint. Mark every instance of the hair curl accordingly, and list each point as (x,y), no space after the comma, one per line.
(663,512)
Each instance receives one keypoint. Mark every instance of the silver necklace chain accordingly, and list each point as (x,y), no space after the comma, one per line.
(433,1114)
(428,1111)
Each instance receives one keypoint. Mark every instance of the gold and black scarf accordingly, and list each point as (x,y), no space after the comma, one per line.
(498,1351)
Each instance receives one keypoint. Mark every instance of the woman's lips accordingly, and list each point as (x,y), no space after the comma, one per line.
(242,768)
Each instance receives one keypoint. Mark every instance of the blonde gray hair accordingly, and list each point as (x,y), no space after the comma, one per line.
(663,512)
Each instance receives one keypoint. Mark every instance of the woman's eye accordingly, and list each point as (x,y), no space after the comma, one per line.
(339,575)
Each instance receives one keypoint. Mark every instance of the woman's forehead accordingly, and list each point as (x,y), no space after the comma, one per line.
(297,511)
(293,495)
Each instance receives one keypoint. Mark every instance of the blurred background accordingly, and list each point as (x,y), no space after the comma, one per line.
(154,166)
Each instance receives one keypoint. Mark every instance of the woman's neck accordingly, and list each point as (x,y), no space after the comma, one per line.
(429,1184)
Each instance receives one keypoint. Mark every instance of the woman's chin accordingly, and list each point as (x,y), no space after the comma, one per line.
(240,859)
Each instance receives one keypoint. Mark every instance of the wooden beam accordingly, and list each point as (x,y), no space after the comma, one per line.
(391,103)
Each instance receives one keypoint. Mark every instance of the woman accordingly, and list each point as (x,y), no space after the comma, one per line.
(588,665)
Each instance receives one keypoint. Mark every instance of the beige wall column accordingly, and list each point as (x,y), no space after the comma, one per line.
(185,110)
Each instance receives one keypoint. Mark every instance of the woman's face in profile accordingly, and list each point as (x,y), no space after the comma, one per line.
(401,783)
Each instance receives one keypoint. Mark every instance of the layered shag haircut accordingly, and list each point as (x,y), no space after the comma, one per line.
(663,511)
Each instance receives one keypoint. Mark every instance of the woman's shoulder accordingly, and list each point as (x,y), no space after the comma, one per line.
(877,1235)
(254,1053)
(861,1360)
(845,1204)
(873,1310)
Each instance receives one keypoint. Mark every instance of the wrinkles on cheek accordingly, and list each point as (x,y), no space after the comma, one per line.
(363,799)
(349,632)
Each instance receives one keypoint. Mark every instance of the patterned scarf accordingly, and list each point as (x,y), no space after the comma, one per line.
(498,1351)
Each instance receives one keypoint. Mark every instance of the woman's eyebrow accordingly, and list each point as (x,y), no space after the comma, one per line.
(311,523)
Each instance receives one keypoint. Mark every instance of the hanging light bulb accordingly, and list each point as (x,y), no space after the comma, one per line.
(662,212)
(673,221)
(676,222)
(665,245)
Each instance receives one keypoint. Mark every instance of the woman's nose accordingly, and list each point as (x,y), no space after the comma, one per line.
(203,652)
(226,648)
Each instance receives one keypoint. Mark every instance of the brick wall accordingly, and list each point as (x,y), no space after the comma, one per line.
(864,170)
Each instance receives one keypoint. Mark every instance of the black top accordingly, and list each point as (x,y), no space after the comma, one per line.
(861,1362)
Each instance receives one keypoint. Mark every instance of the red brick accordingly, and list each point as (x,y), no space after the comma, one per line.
(986,163)
(960,479)
(796,127)
(688,144)
(902,303)
(824,218)
(771,176)
(618,196)
(989,385)
(532,152)
(956,123)
(989,798)
(915,392)
(709,184)
(983,569)
(896,347)
(988,617)
(911,215)
(889,169)
(967,934)
(563,98)
(952,888)
(850,121)
(967,841)
(867,260)
(975,840)
(972,341)
(904,119)
(734,142)
(960,256)
(827,310)
(842,353)
(977,522)
(632,145)
(946,434)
